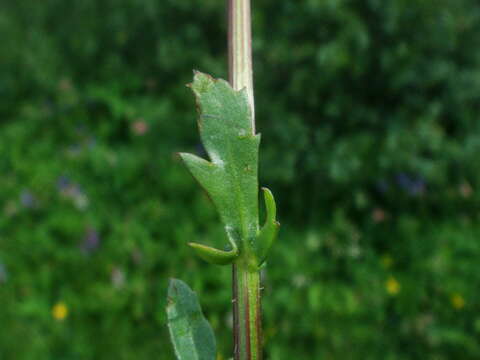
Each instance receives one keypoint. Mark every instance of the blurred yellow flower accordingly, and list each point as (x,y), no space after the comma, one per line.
(60,311)
(392,286)
(458,302)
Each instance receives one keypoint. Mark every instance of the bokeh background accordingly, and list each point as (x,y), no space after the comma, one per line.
(369,112)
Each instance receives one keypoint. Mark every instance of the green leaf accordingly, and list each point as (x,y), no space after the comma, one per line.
(230,177)
(214,256)
(191,334)
(269,231)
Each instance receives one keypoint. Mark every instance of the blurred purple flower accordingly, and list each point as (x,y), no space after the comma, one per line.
(84,141)
(91,241)
(3,274)
(27,199)
(72,191)
(413,185)
(63,182)
(403,180)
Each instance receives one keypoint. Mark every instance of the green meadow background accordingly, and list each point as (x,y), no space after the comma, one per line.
(370,119)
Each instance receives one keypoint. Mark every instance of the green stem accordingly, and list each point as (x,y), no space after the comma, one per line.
(240,49)
(246,278)
(247,313)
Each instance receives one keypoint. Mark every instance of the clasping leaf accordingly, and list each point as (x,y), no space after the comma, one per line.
(230,175)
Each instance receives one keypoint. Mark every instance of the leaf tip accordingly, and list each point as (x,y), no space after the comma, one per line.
(201,82)
(179,155)
(173,285)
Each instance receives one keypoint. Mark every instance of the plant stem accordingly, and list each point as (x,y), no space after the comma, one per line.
(247,313)
(240,49)
(246,279)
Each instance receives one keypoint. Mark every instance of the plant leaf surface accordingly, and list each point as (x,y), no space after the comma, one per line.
(269,231)
(230,177)
(191,334)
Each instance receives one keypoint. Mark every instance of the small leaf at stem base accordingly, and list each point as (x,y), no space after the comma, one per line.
(269,231)
(214,256)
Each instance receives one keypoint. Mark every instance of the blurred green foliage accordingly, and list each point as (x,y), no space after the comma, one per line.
(369,111)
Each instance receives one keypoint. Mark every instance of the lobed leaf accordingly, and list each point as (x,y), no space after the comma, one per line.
(230,175)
